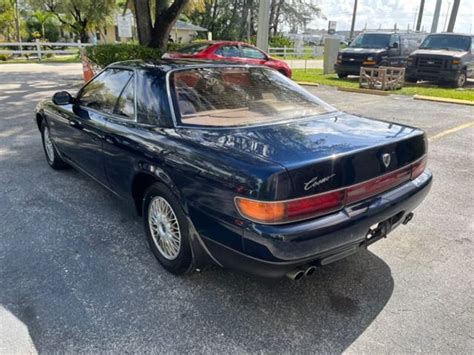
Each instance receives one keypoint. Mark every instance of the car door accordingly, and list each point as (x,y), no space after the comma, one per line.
(394,51)
(135,130)
(86,125)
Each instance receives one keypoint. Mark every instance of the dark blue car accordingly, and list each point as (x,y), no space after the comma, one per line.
(237,165)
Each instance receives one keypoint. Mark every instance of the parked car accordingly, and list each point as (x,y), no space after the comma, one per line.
(230,51)
(237,164)
(373,49)
(443,57)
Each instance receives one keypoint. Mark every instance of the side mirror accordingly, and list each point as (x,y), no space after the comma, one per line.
(62,98)
(395,45)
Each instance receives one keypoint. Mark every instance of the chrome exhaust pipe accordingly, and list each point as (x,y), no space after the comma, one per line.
(295,274)
(310,271)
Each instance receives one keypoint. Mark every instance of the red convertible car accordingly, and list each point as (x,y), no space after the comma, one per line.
(230,52)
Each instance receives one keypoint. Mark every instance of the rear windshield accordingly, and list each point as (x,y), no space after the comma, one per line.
(371,40)
(447,42)
(237,96)
(194,48)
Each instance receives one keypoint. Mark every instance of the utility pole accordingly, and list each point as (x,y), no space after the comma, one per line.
(263,25)
(434,25)
(447,14)
(454,14)
(351,36)
(420,15)
(17,24)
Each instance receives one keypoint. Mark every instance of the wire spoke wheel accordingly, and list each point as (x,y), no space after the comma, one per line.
(164,228)
(48,144)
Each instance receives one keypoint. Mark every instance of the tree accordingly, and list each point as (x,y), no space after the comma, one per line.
(78,16)
(154,32)
(42,17)
(7,19)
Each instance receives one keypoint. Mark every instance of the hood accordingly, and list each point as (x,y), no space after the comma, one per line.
(363,50)
(440,52)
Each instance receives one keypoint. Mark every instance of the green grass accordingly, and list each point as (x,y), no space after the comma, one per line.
(73,58)
(317,76)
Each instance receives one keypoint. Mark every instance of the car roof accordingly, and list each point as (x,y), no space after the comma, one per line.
(167,65)
(452,34)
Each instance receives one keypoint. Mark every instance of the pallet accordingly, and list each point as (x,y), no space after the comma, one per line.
(382,78)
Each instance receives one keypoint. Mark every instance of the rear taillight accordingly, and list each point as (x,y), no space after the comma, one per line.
(278,212)
(418,167)
(378,185)
(291,210)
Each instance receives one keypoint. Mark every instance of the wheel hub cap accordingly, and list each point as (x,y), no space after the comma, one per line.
(48,144)
(164,228)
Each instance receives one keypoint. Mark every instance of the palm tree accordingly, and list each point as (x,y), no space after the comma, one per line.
(42,17)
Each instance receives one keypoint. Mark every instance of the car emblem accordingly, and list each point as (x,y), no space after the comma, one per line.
(386,158)
(430,62)
(351,59)
(316,182)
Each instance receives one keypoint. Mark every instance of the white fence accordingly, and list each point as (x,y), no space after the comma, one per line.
(39,49)
(315,51)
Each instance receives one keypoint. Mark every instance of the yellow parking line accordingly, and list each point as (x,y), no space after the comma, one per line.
(450,131)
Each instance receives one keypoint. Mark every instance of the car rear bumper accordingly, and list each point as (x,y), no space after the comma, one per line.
(273,251)
(435,75)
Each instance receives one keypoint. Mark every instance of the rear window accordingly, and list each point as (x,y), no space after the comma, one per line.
(193,49)
(239,96)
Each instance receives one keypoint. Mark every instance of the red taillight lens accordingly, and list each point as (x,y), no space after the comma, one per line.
(315,205)
(375,186)
(418,168)
(292,210)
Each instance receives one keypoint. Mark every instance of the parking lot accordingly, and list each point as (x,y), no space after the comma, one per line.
(76,274)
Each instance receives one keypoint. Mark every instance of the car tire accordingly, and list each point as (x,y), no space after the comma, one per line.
(460,80)
(167,229)
(50,151)
(342,75)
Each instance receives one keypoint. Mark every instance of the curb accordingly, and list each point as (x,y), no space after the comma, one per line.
(307,83)
(365,91)
(443,100)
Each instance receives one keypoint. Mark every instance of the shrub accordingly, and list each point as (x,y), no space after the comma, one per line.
(173,47)
(280,41)
(4,57)
(105,54)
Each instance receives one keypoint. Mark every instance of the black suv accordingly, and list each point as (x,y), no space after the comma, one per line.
(443,57)
(371,49)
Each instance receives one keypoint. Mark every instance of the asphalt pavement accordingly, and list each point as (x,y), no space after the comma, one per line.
(76,274)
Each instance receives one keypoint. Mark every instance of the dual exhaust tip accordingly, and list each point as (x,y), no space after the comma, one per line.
(298,274)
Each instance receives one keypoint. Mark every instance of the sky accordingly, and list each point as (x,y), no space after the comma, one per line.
(386,13)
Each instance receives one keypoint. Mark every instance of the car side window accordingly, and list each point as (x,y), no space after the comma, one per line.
(125,106)
(249,52)
(394,39)
(150,98)
(104,90)
(229,51)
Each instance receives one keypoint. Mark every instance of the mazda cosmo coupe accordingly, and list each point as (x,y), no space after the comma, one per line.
(237,165)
